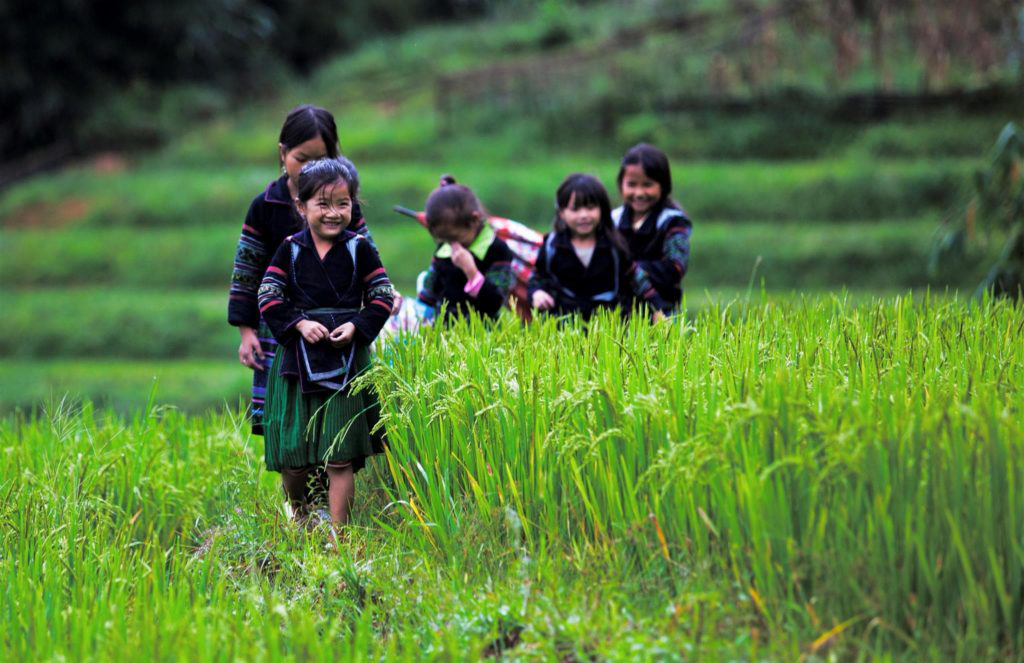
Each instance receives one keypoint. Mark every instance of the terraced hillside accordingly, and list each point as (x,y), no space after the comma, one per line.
(116,268)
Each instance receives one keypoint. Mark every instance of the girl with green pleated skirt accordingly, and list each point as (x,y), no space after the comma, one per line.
(325,427)
(325,297)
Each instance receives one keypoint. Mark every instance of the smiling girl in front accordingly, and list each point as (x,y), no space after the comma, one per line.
(655,227)
(583,264)
(325,297)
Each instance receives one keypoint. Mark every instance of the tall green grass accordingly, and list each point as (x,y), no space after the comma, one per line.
(115,347)
(760,480)
(160,536)
(844,466)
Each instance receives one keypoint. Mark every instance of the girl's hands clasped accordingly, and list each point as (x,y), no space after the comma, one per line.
(313,332)
(343,335)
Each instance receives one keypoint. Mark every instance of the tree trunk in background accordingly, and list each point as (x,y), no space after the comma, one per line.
(842,25)
(879,24)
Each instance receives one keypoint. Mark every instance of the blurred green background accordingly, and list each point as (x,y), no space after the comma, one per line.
(816,146)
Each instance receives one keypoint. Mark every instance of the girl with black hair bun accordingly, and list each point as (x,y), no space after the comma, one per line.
(471,270)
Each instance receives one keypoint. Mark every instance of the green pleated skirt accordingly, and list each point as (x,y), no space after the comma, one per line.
(304,430)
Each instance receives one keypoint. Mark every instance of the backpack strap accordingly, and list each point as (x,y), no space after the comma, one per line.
(667,215)
(294,247)
(351,244)
(615,259)
(549,249)
(617,216)
(295,253)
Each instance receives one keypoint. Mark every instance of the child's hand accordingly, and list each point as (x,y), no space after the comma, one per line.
(542,300)
(343,335)
(658,316)
(313,332)
(249,351)
(463,259)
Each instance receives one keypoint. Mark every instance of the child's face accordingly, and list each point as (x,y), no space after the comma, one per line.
(639,191)
(581,220)
(454,234)
(329,211)
(295,158)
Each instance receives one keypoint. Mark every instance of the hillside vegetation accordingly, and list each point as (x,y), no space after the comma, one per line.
(788,177)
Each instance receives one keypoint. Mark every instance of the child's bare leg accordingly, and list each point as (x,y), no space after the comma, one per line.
(340,492)
(294,480)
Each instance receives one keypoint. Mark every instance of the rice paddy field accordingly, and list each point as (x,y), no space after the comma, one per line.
(821,458)
(813,479)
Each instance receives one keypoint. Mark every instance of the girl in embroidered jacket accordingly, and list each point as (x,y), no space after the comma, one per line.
(308,133)
(472,268)
(325,297)
(584,264)
(656,228)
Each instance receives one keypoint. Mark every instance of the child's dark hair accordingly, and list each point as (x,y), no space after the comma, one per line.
(306,122)
(588,192)
(453,205)
(654,164)
(321,172)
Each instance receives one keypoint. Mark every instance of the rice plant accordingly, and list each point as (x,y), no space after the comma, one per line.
(763,479)
(854,466)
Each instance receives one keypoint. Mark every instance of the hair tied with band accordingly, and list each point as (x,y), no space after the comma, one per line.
(316,174)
